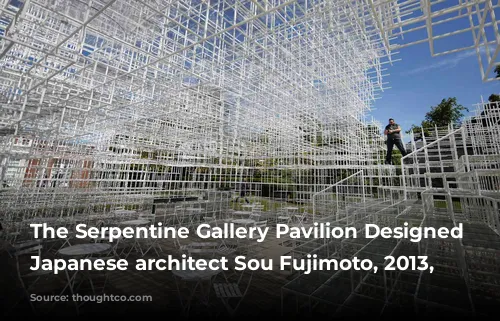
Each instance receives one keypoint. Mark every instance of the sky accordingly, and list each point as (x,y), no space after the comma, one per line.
(420,81)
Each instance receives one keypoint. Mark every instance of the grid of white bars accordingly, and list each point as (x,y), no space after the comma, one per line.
(112,104)
(96,96)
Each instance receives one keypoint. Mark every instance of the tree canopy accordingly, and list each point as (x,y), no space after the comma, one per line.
(448,111)
(494,98)
(492,109)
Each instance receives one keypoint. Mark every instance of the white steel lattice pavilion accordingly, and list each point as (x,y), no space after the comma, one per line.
(161,110)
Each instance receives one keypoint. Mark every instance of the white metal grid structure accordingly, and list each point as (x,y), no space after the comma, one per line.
(85,64)
(448,27)
(77,66)
(216,83)
(109,108)
(174,86)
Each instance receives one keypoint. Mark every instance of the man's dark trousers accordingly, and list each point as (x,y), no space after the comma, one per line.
(390,145)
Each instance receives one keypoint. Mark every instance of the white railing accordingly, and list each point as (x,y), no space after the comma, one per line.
(427,163)
(340,194)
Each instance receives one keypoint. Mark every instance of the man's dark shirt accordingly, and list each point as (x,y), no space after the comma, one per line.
(393,127)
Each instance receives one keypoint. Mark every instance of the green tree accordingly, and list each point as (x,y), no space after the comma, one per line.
(490,108)
(448,111)
(418,129)
(497,70)
(494,97)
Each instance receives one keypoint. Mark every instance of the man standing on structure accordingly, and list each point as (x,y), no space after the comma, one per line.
(393,138)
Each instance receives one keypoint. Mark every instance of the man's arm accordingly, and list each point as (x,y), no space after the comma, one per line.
(390,131)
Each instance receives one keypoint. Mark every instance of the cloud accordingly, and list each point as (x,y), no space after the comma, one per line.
(447,63)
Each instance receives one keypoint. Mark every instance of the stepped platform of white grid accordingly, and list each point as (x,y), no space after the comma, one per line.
(115,105)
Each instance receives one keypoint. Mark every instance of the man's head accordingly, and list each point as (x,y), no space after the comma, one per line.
(391,121)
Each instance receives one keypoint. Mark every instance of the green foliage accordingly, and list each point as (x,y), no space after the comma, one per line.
(492,106)
(417,130)
(448,111)
(494,97)
(497,71)
(396,156)
(319,140)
